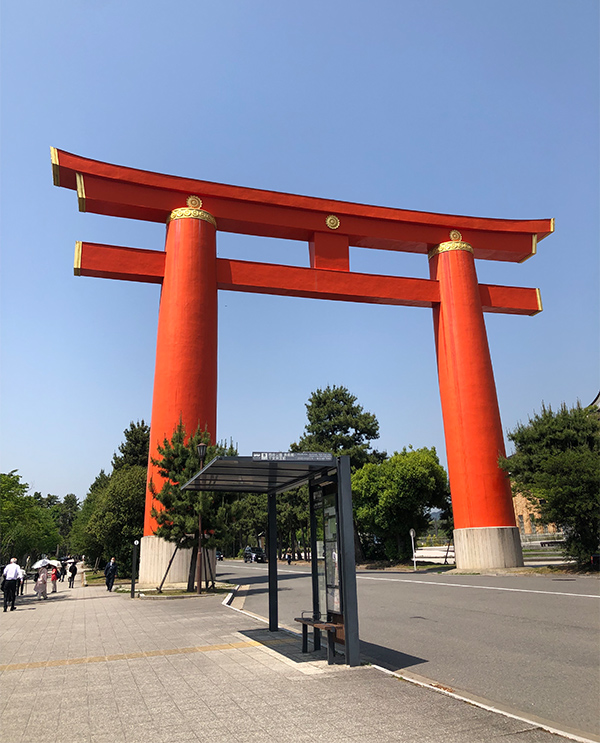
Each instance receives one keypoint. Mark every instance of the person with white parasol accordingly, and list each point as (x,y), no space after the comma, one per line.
(41,584)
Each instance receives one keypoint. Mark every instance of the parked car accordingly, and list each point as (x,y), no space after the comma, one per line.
(254,554)
(219,555)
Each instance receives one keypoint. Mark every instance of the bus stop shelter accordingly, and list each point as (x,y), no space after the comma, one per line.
(334,596)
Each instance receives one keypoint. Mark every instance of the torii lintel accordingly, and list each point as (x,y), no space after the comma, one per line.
(119,191)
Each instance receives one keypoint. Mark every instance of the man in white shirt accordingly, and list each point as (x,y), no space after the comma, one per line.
(12,576)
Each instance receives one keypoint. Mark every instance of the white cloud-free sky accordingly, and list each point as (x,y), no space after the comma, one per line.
(455,106)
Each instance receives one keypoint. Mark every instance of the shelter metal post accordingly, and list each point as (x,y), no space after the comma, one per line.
(347,562)
(272,559)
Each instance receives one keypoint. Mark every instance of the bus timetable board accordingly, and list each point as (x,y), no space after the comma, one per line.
(327,553)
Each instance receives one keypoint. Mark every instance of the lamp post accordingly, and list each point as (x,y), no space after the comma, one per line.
(201,453)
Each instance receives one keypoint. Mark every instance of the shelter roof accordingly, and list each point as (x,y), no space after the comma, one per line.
(263,472)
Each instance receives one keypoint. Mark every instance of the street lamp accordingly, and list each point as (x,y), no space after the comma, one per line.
(201,453)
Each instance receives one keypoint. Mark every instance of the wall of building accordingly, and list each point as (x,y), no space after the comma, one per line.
(528,518)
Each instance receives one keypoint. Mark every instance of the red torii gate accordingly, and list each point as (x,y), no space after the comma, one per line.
(185,383)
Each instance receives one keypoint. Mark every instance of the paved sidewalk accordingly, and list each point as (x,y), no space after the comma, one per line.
(88,666)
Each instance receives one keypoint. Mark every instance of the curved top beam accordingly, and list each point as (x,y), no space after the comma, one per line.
(119,191)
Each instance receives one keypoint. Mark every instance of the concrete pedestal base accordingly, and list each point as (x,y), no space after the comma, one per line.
(155,554)
(487,548)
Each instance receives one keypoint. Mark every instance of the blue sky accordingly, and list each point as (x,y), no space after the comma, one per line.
(463,107)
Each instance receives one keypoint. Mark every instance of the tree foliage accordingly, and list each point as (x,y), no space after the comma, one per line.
(27,528)
(67,512)
(63,513)
(91,534)
(83,542)
(556,465)
(394,496)
(135,449)
(339,425)
(118,517)
(178,520)
(247,517)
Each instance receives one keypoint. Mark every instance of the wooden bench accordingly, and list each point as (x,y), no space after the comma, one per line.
(318,625)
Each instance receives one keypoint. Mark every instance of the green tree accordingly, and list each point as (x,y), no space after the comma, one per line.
(46,502)
(62,512)
(248,518)
(88,534)
(339,425)
(556,465)
(68,509)
(27,529)
(178,520)
(134,450)
(83,542)
(293,519)
(397,495)
(118,517)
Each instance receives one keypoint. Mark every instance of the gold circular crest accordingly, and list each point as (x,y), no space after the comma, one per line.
(455,235)
(332,222)
(194,202)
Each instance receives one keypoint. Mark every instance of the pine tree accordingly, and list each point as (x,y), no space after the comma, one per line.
(339,425)
(556,465)
(134,450)
(178,520)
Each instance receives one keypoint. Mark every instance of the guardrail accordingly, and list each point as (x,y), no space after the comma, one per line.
(443,555)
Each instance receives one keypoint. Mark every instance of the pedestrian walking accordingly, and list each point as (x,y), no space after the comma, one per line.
(72,574)
(110,572)
(54,576)
(63,572)
(41,584)
(11,577)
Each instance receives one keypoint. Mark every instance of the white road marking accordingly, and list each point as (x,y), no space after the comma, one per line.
(437,583)
(486,588)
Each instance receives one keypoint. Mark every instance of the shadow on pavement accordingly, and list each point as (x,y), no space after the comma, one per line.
(289,645)
(393,660)
(285,644)
(30,602)
(259,579)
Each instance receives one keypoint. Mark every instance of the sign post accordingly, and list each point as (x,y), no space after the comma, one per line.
(134,566)
(412,539)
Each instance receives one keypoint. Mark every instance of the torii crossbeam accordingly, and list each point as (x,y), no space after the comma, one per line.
(185,382)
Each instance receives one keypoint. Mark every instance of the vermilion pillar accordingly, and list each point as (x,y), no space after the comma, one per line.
(185,379)
(484,520)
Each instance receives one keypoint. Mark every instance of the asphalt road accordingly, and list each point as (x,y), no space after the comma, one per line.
(530,644)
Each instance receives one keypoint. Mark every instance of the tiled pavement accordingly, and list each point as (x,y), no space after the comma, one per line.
(88,666)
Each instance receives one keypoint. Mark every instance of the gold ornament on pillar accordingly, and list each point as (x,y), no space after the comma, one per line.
(455,243)
(192,212)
